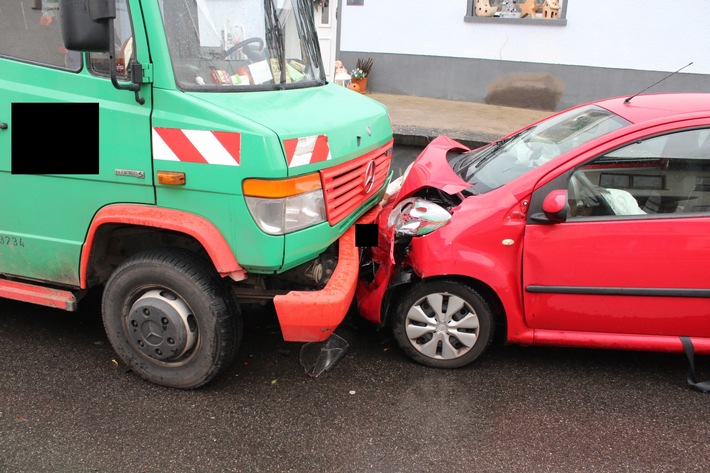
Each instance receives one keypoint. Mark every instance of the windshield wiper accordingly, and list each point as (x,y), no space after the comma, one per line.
(499,144)
(490,153)
(312,45)
(274,37)
(475,161)
(476,158)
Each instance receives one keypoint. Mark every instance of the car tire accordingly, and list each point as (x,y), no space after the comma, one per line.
(171,319)
(433,332)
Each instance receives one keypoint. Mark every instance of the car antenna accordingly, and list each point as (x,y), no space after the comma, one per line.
(644,90)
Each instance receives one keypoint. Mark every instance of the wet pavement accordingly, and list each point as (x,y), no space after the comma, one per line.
(66,406)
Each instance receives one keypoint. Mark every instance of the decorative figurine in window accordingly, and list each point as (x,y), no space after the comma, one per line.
(508,9)
(551,9)
(527,8)
(484,8)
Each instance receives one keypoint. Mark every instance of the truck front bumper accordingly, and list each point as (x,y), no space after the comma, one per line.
(312,316)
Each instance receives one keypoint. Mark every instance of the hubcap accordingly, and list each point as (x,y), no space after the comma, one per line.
(162,325)
(442,326)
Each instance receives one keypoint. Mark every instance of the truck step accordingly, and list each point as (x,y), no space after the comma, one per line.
(36,294)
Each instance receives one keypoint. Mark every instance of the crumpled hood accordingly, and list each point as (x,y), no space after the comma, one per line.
(431,169)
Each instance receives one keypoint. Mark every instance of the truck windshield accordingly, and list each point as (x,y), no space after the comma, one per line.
(242,44)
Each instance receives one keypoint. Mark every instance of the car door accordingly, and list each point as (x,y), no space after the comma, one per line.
(58,166)
(633,256)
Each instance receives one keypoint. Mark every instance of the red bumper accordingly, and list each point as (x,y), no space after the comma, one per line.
(370,295)
(311,316)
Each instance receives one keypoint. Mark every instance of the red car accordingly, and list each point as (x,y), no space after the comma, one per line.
(590,228)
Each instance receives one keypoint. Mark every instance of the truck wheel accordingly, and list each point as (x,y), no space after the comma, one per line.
(442,324)
(171,319)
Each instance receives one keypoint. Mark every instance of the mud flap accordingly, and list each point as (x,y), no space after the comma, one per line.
(690,353)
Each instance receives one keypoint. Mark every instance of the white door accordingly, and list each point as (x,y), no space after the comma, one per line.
(325,16)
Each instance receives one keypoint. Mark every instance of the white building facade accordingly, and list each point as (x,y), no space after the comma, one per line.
(589,50)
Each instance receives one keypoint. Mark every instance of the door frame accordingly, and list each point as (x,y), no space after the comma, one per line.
(330,34)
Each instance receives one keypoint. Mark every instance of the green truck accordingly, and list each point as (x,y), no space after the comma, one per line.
(188,158)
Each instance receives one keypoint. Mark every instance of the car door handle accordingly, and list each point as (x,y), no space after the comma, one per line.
(3,126)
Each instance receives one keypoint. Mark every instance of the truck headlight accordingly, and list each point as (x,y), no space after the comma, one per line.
(285,205)
(416,217)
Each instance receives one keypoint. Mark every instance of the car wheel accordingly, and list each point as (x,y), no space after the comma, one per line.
(443,324)
(170,318)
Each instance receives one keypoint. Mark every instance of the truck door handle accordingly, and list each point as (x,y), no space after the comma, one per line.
(3,126)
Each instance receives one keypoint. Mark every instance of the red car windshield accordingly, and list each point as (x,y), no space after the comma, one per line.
(492,166)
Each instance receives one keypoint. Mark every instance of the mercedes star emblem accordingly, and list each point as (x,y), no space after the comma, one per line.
(369,181)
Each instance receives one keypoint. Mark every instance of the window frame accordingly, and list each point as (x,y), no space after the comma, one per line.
(471,17)
(94,59)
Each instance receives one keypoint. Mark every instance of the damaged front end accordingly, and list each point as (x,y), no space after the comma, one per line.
(312,316)
(423,202)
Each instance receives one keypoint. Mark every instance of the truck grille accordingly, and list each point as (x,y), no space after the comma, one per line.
(346,186)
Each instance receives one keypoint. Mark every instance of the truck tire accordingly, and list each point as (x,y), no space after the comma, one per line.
(171,319)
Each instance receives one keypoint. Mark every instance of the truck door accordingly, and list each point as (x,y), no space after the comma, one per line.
(45,92)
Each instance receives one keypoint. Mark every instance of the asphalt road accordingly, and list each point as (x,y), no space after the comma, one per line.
(66,405)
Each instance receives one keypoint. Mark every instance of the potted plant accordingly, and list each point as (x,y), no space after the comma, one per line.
(361,72)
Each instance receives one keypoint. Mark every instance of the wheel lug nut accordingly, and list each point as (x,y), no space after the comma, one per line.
(164,320)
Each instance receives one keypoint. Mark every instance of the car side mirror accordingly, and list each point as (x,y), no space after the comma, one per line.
(85,24)
(555,208)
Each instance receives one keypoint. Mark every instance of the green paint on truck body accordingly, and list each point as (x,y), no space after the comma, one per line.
(52,214)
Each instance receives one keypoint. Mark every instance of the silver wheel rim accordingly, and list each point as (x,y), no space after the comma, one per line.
(162,326)
(442,326)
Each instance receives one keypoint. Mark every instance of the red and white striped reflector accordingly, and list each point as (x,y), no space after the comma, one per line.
(197,146)
(307,150)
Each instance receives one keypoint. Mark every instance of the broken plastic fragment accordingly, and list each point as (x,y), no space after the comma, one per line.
(317,357)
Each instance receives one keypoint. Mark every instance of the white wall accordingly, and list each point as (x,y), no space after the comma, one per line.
(651,35)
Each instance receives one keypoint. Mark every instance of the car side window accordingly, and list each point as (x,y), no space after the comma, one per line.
(30,32)
(665,174)
(123,43)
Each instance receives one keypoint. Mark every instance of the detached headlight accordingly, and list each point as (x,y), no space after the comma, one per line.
(415,217)
(284,206)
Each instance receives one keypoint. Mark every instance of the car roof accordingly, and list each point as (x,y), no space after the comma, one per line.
(653,106)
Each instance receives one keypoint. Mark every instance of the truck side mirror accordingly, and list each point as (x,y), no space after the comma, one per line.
(85,24)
